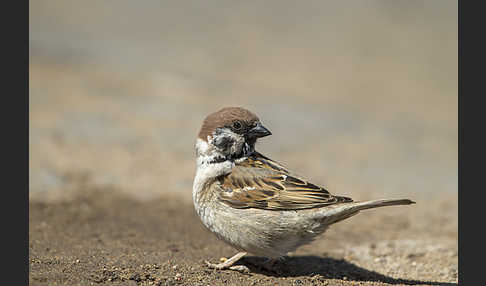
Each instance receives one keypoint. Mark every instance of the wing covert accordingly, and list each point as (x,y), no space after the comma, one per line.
(259,182)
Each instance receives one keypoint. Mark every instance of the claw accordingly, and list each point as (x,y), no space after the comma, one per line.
(240,268)
(228,264)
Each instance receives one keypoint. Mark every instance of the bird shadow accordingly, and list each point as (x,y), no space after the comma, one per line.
(326,268)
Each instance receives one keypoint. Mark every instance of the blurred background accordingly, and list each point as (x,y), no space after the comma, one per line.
(361,96)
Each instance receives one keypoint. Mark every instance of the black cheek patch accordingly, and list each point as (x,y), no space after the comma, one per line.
(221,142)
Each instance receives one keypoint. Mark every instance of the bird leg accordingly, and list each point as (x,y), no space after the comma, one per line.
(228,264)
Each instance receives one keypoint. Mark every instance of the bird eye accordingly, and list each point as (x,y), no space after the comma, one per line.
(236,125)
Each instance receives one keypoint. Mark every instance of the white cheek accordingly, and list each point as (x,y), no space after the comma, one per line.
(202,146)
(205,170)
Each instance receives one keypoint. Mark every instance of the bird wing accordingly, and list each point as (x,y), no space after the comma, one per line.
(259,182)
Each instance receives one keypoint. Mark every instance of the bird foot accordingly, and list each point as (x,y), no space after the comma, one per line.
(228,264)
(223,266)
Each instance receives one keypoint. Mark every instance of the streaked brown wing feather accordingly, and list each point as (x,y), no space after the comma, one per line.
(259,182)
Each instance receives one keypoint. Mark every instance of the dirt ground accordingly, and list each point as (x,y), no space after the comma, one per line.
(361,98)
(102,237)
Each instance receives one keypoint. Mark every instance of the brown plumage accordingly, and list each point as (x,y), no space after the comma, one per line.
(254,203)
(226,117)
(259,182)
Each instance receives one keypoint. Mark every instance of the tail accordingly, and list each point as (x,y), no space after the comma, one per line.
(346,210)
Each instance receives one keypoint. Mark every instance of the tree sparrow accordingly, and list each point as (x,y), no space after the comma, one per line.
(254,203)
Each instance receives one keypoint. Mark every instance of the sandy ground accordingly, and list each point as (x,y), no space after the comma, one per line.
(101,237)
(361,97)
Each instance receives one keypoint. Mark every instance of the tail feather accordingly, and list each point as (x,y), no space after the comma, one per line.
(381,203)
(346,210)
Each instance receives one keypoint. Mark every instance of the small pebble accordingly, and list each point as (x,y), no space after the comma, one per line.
(178,277)
(379,259)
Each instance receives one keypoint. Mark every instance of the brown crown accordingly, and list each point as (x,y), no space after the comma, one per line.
(225,117)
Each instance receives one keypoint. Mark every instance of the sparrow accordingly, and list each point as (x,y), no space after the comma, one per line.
(254,203)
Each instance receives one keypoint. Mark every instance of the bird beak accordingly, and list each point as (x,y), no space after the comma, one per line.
(258,131)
